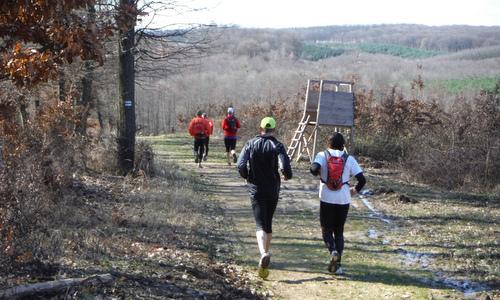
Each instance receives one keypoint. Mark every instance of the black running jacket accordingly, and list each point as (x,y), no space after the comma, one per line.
(260,161)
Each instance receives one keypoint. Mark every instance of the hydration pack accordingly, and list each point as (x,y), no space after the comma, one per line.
(335,170)
(231,124)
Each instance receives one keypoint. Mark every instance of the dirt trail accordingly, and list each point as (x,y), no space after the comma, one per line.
(375,267)
(296,271)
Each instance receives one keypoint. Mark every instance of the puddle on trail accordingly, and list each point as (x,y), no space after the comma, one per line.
(375,213)
(424,260)
(468,288)
(372,233)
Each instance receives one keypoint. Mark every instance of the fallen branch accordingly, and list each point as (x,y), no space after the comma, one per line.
(53,286)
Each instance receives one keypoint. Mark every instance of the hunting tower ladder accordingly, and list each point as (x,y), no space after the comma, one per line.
(328,104)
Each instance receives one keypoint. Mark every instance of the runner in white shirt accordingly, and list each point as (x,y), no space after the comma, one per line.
(334,204)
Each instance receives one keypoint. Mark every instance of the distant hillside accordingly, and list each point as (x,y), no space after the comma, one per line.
(264,65)
(476,53)
(407,41)
(437,38)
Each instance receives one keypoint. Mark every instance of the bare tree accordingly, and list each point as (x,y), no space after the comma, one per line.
(148,52)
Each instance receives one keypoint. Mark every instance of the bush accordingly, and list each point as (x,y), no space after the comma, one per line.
(144,159)
(40,158)
(451,148)
(465,151)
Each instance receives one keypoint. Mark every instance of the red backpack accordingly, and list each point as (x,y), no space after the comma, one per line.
(335,170)
(231,124)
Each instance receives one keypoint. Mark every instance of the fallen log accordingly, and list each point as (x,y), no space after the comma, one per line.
(53,286)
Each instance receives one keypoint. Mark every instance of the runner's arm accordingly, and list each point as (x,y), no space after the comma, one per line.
(315,168)
(223,124)
(207,127)
(242,161)
(361,181)
(190,128)
(356,169)
(286,168)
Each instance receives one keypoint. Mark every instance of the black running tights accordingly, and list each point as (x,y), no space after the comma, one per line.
(199,147)
(263,212)
(332,218)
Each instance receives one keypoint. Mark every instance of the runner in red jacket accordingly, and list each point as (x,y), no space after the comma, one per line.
(199,129)
(230,125)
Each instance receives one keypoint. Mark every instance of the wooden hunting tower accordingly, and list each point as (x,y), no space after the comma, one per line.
(329,104)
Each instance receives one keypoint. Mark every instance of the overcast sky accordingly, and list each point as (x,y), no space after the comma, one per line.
(306,13)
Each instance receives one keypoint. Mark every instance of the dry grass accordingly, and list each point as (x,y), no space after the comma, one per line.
(157,236)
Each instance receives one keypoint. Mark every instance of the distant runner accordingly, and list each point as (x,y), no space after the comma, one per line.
(230,125)
(335,167)
(265,156)
(207,140)
(199,129)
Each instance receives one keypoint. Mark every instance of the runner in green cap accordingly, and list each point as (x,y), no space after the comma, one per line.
(259,163)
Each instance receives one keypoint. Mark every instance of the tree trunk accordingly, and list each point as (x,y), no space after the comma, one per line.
(86,98)
(23,113)
(126,118)
(87,82)
(62,85)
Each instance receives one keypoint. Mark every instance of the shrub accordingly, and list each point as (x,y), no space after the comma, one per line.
(465,151)
(451,148)
(40,157)
(144,159)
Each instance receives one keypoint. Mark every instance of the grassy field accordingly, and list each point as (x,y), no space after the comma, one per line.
(436,245)
(455,86)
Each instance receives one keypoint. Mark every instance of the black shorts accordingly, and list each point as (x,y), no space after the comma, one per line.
(333,216)
(230,143)
(263,206)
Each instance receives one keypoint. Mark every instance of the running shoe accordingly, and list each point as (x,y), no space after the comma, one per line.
(265,260)
(334,258)
(339,270)
(263,272)
(235,159)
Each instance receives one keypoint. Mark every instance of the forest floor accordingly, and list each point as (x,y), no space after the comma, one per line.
(403,240)
(157,238)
